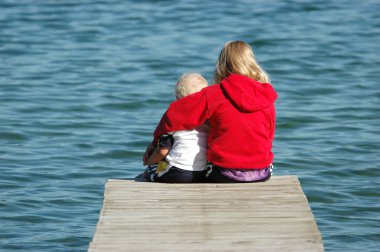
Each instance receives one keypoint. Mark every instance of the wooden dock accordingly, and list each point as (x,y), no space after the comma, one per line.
(269,216)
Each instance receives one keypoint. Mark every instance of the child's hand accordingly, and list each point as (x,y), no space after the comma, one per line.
(148,152)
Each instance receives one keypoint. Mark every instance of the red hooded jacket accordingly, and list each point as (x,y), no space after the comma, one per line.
(241,114)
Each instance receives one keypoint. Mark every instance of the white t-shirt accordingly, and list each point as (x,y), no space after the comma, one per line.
(189,150)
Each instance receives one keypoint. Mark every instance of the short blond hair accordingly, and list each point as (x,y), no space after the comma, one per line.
(237,57)
(189,83)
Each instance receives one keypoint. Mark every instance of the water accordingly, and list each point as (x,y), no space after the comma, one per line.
(83,84)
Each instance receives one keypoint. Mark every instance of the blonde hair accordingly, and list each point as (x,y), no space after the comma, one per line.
(189,83)
(237,57)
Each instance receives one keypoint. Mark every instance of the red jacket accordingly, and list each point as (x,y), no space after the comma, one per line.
(241,114)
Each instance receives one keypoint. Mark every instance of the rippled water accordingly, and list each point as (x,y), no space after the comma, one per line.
(83,84)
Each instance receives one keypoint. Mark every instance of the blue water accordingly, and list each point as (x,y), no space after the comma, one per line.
(84,83)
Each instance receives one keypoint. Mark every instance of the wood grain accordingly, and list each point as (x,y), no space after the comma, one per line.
(143,216)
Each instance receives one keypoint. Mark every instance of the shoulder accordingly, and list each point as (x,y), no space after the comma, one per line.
(212,90)
(215,97)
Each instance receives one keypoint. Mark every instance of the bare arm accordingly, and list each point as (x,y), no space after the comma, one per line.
(158,154)
(148,152)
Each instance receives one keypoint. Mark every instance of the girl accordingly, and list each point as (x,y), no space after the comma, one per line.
(240,110)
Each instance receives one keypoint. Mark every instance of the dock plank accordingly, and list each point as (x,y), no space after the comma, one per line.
(142,216)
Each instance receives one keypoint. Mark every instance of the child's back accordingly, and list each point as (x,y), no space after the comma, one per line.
(189,149)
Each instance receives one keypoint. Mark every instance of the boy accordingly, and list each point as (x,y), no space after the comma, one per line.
(180,157)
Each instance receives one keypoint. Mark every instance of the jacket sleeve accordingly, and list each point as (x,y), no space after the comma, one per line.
(183,114)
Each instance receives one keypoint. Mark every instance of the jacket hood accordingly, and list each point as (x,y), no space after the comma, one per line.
(246,94)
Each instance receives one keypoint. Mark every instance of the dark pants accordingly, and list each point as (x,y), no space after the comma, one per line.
(175,175)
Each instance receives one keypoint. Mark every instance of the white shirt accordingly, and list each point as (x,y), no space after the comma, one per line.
(189,150)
